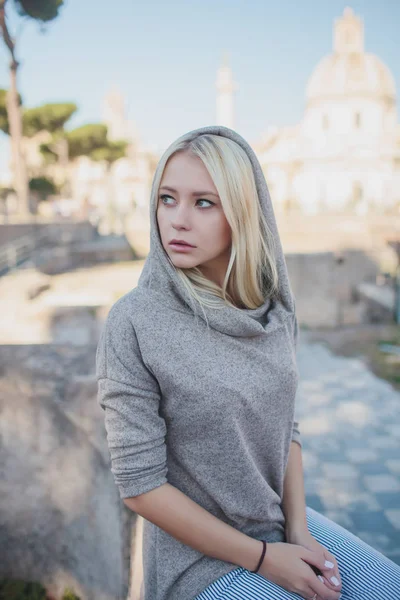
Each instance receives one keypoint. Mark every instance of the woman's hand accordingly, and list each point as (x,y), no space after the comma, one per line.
(330,575)
(288,565)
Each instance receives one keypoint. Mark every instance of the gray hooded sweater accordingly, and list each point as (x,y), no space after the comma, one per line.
(208,410)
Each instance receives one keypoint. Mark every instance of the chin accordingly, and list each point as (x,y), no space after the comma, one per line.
(184,262)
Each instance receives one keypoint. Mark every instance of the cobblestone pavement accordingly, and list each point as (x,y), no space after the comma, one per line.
(350,426)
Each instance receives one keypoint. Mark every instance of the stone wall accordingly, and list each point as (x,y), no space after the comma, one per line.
(63,523)
(328,233)
(325,286)
(56,233)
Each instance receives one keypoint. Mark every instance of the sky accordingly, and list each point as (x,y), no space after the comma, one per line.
(164,56)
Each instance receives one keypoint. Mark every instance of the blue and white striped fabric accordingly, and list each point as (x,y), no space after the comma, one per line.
(366,574)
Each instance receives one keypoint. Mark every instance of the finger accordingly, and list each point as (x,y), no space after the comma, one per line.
(327,579)
(331,579)
(319,581)
(330,565)
(317,564)
(314,558)
(335,569)
(309,593)
(322,591)
(329,584)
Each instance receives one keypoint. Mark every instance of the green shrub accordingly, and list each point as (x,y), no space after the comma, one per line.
(43,186)
(14,589)
(69,595)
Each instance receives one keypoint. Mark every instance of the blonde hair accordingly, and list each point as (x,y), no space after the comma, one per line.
(251,275)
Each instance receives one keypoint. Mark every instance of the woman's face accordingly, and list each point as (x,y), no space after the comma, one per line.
(189,209)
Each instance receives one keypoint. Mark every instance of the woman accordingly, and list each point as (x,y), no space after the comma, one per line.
(197,375)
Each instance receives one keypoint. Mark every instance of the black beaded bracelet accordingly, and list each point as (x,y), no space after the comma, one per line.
(262,555)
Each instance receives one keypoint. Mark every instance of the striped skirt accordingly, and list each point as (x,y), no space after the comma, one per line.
(366,574)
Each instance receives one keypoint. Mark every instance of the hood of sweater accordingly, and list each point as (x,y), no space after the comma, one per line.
(160,276)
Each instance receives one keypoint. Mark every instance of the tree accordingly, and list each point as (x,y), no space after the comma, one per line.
(91,140)
(48,117)
(4,124)
(86,139)
(43,187)
(42,11)
(51,118)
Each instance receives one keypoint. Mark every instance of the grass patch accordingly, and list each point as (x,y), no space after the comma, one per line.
(16,589)
(363,342)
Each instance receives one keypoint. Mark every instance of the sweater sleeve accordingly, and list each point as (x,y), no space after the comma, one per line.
(130,396)
(296,435)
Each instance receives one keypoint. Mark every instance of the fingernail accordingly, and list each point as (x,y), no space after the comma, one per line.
(320,578)
(329,564)
(335,580)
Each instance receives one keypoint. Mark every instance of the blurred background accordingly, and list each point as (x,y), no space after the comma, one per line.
(91,94)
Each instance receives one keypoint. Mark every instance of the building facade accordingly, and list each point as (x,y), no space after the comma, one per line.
(344,155)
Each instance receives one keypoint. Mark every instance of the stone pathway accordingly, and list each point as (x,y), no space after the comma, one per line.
(350,426)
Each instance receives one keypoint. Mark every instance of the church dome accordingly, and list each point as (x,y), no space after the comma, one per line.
(349,74)
(349,70)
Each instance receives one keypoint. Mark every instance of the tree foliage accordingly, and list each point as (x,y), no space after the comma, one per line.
(114,150)
(4,124)
(43,187)
(50,157)
(85,139)
(41,10)
(91,140)
(48,117)
(88,140)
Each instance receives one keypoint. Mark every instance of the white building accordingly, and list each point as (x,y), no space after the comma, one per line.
(345,153)
(226,88)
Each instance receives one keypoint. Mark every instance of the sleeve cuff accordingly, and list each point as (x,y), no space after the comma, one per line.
(296,435)
(130,489)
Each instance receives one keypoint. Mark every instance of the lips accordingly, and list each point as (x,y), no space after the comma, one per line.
(179,243)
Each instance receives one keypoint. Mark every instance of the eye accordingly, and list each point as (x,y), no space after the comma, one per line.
(205,200)
(163,196)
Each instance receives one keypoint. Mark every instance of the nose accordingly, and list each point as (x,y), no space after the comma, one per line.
(181,218)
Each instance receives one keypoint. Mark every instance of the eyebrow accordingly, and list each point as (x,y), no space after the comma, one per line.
(207,193)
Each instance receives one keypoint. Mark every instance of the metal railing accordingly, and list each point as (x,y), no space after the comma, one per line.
(15,253)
